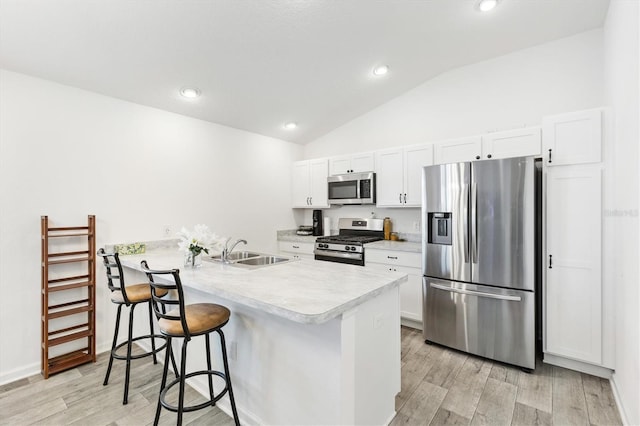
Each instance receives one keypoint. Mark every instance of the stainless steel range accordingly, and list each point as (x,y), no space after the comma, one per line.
(348,245)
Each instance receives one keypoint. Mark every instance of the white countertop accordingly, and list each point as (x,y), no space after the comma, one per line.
(395,245)
(304,291)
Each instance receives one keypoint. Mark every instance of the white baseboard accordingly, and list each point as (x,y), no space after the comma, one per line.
(411,323)
(616,397)
(19,373)
(246,417)
(34,368)
(583,367)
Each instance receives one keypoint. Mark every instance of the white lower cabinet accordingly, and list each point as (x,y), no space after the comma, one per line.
(296,250)
(409,263)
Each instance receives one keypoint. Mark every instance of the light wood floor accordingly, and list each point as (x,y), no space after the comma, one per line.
(439,387)
(445,387)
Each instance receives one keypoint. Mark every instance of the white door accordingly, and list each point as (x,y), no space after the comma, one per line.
(319,171)
(363,162)
(573,262)
(415,158)
(300,184)
(457,150)
(573,138)
(513,143)
(339,165)
(389,178)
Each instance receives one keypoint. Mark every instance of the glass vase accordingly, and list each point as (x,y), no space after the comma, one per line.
(192,260)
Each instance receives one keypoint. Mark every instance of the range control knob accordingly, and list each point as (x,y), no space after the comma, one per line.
(346,248)
(353,249)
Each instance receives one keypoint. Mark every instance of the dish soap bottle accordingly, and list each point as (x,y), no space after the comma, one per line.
(387,228)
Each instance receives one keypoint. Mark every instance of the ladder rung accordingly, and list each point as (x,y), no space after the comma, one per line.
(77,259)
(70,337)
(68,286)
(68,312)
(77,277)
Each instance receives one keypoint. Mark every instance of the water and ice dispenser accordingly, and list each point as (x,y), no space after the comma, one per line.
(439,228)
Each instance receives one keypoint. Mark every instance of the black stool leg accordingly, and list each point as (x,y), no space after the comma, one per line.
(208,348)
(168,354)
(183,367)
(125,400)
(113,346)
(228,377)
(153,341)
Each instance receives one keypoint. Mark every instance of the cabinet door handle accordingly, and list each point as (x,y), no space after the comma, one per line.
(477,157)
(489,156)
(405,198)
(550,261)
(310,201)
(392,257)
(296,247)
(549,155)
(400,198)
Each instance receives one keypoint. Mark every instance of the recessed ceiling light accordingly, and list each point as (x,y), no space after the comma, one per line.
(190,92)
(380,70)
(290,125)
(487,5)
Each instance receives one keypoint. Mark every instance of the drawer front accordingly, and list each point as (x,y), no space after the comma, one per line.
(299,248)
(389,257)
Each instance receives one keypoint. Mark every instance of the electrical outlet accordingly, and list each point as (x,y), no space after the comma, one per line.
(167,231)
(233,350)
(416,226)
(378,320)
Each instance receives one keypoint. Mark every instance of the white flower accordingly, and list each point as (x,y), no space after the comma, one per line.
(199,240)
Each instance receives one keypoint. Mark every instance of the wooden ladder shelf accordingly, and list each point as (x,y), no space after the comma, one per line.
(75,309)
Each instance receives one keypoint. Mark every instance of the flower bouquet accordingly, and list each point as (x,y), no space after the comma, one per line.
(193,243)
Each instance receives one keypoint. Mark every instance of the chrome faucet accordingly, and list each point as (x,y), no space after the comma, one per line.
(227,251)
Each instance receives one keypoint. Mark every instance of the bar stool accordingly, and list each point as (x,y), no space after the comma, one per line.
(129,296)
(187,321)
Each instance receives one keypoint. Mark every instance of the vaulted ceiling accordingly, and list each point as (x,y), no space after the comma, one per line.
(259,63)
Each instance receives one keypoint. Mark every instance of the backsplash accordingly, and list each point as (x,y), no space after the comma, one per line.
(402,219)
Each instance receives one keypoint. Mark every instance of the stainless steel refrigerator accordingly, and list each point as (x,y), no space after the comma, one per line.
(479,258)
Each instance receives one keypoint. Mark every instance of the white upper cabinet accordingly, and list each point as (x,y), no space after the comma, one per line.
(309,184)
(508,144)
(512,143)
(399,175)
(356,163)
(457,150)
(572,138)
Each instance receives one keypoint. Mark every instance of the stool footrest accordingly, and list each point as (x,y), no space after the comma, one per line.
(207,403)
(144,354)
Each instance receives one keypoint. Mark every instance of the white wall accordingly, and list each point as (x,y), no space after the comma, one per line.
(501,93)
(67,153)
(508,91)
(621,92)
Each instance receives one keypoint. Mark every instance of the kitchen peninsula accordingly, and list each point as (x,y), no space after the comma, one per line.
(309,342)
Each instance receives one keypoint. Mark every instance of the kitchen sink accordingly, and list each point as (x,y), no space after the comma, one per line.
(237,255)
(263,260)
(250,259)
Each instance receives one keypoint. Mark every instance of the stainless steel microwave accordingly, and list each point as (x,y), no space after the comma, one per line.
(352,188)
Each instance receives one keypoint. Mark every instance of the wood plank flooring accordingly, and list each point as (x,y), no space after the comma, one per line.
(445,387)
(439,387)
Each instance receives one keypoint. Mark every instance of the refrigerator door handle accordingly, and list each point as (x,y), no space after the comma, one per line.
(476,293)
(465,224)
(474,223)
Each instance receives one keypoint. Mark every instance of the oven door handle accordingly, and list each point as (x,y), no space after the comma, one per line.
(338,254)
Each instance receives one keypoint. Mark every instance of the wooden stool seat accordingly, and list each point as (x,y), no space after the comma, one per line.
(136,293)
(201,318)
